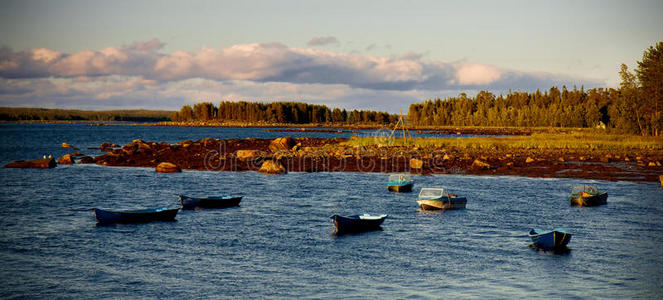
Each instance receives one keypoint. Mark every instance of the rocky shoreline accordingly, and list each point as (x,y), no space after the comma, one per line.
(332,155)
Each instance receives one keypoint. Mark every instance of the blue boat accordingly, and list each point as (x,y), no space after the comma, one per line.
(136,215)
(400,183)
(550,239)
(357,223)
(209,202)
(587,195)
(439,199)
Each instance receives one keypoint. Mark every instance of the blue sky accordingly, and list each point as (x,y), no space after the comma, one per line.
(355,54)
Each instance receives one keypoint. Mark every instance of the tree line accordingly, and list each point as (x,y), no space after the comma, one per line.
(46,114)
(278,112)
(635,107)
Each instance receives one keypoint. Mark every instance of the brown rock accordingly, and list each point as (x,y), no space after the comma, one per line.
(86,160)
(65,145)
(651,164)
(272,167)
(66,160)
(529,160)
(248,154)
(45,163)
(281,144)
(561,159)
(447,157)
(166,167)
(479,165)
(607,158)
(416,163)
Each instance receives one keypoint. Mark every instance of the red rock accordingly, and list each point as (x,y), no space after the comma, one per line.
(45,163)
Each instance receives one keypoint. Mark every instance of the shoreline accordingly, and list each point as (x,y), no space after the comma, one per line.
(339,155)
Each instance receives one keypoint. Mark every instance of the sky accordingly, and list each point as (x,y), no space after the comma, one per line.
(379,55)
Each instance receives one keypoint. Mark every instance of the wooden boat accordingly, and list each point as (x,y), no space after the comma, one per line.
(587,195)
(209,202)
(357,223)
(400,183)
(136,215)
(439,199)
(551,239)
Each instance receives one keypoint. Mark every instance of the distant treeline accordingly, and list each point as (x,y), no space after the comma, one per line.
(46,114)
(279,112)
(633,108)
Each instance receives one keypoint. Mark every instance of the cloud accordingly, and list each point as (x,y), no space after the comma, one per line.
(322,41)
(262,72)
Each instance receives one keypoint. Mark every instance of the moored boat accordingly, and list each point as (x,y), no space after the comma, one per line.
(439,199)
(209,202)
(357,223)
(105,216)
(400,183)
(550,239)
(587,195)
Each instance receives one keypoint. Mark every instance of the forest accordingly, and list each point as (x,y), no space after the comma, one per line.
(278,112)
(634,108)
(47,114)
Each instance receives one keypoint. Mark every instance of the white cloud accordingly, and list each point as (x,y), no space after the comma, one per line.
(254,72)
(322,41)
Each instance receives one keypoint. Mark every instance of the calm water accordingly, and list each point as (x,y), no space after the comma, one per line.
(278,243)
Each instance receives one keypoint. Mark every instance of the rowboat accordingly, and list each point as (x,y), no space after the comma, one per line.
(400,183)
(209,202)
(587,195)
(136,215)
(439,199)
(551,239)
(357,223)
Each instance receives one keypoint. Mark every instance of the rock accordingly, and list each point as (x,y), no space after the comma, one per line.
(416,163)
(606,159)
(166,167)
(65,145)
(281,144)
(479,165)
(86,160)
(561,159)
(66,160)
(651,164)
(248,154)
(447,157)
(272,167)
(137,141)
(529,160)
(77,154)
(45,163)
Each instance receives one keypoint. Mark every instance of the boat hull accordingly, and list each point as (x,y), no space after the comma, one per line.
(134,216)
(355,224)
(400,188)
(550,240)
(193,203)
(452,203)
(589,201)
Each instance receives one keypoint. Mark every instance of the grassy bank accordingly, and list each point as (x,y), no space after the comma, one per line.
(47,114)
(583,140)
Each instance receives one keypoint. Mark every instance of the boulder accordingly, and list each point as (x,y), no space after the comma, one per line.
(272,167)
(281,144)
(166,167)
(65,145)
(66,160)
(248,154)
(447,157)
(479,165)
(529,160)
(45,163)
(416,163)
(86,160)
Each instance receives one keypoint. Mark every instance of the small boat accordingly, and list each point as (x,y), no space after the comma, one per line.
(357,223)
(209,202)
(439,199)
(136,215)
(551,239)
(400,183)
(587,195)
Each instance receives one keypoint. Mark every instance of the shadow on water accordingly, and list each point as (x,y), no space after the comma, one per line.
(355,233)
(120,224)
(557,251)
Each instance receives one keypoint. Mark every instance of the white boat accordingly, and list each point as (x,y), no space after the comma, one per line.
(439,199)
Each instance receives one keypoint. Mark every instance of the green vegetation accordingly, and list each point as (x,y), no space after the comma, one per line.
(278,112)
(634,108)
(45,114)
(580,140)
